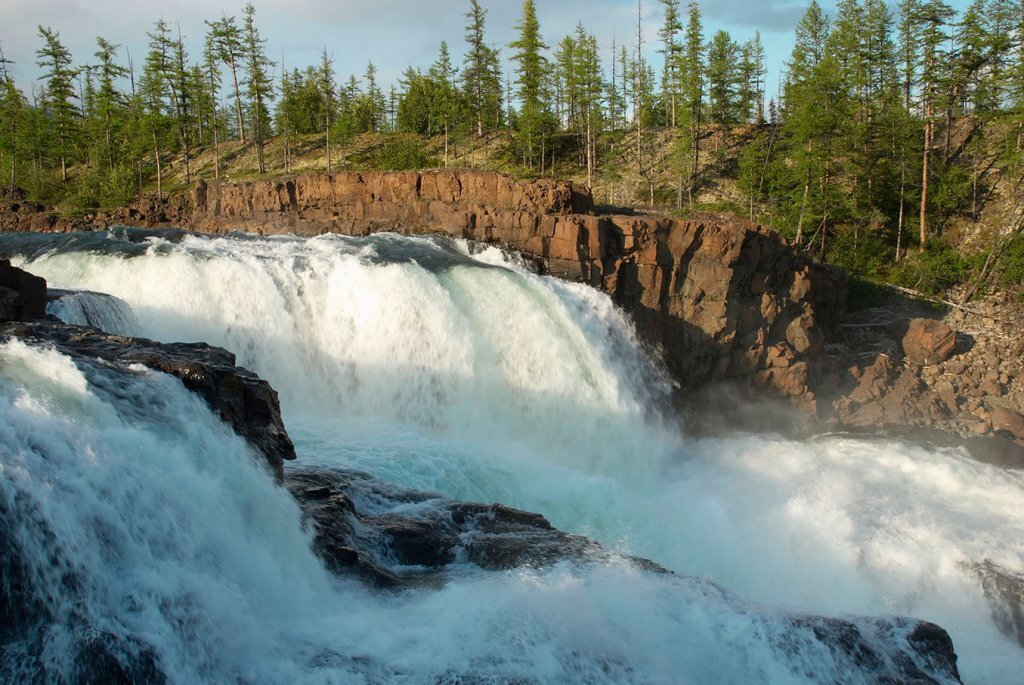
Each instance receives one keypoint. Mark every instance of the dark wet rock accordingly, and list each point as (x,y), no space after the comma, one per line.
(399,537)
(889,651)
(1004,591)
(22,295)
(242,400)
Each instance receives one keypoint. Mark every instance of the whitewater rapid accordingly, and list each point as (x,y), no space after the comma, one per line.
(436,367)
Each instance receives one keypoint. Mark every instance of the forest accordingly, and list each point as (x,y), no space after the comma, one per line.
(892,145)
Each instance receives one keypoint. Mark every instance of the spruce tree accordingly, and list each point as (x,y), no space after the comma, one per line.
(153,92)
(109,101)
(226,38)
(59,93)
(445,97)
(723,80)
(12,107)
(328,99)
(934,25)
(672,52)
(259,87)
(693,73)
(481,76)
(531,74)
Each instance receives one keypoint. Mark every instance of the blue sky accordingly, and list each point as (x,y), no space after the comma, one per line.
(392,33)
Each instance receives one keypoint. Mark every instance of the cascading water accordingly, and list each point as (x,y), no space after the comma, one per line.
(437,369)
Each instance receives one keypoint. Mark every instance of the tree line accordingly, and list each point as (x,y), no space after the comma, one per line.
(886,123)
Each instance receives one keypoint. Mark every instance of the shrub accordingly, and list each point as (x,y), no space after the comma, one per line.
(401,153)
(118,187)
(937,269)
(1011,265)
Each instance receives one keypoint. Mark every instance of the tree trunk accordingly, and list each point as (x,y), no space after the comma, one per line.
(903,202)
(159,173)
(258,126)
(106,135)
(924,175)
(824,218)
(216,146)
(188,158)
(803,211)
(238,101)
(590,153)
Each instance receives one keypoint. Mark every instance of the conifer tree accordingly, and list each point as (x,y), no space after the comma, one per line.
(226,38)
(531,74)
(259,87)
(12,106)
(59,92)
(211,58)
(481,76)
(109,101)
(933,22)
(328,99)
(693,74)
(445,99)
(672,52)
(723,80)
(153,91)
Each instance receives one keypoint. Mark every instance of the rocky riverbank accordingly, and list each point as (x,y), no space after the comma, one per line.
(728,303)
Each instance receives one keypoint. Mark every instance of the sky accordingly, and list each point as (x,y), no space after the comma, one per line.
(392,33)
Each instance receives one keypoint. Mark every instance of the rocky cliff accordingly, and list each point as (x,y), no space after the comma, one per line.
(724,298)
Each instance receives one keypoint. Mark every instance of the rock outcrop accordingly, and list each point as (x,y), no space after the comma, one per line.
(22,295)
(724,298)
(244,401)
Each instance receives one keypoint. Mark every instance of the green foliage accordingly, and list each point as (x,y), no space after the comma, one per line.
(863,294)
(401,152)
(951,191)
(99,188)
(938,268)
(866,254)
(1010,268)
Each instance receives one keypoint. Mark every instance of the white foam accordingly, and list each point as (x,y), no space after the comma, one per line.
(495,384)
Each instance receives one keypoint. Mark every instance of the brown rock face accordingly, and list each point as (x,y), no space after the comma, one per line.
(724,298)
(927,341)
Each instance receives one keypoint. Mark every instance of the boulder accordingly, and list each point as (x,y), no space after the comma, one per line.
(927,341)
(1005,419)
(22,295)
